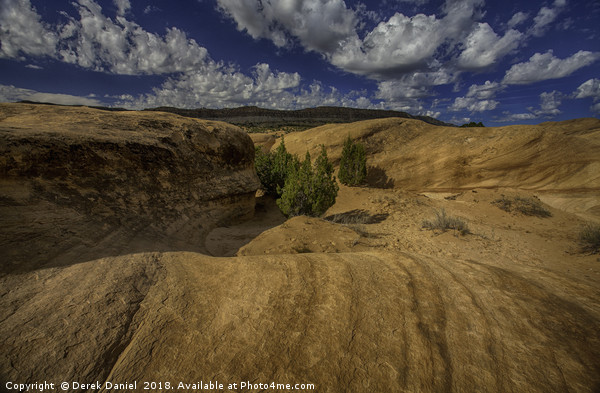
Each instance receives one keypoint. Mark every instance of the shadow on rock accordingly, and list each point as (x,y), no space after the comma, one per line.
(377,178)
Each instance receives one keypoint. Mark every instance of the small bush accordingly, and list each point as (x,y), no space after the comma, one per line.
(307,190)
(353,163)
(272,168)
(526,206)
(472,124)
(443,222)
(589,238)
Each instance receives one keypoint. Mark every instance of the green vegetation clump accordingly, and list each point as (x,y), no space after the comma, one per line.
(444,222)
(589,238)
(526,206)
(353,164)
(472,124)
(272,168)
(301,188)
(309,190)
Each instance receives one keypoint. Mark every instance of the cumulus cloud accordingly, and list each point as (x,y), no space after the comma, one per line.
(517,19)
(479,98)
(123,7)
(546,66)
(590,88)
(151,8)
(319,25)
(484,47)
(486,91)
(97,42)
(216,85)
(394,47)
(548,108)
(403,44)
(460,120)
(473,104)
(22,31)
(545,16)
(219,86)
(549,103)
(12,94)
(515,117)
(413,86)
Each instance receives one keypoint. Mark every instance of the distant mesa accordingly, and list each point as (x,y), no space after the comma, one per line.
(253,115)
(310,117)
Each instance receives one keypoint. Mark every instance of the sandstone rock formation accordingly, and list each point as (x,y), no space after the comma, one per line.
(101,212)
(420,156)
(76,183)
(560,160)
(379,321)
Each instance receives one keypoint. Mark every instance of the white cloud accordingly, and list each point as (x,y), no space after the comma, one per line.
(399,45)
(479,98)
(549,103)
(123,7)
(394,47)
(517,19)
(590,88)
(22,32)
(220,86)
(151,8)
(12,94)
(484,47)
(545,66)
(216,85)
(34,67)
(548,108)
(123,47)
(473,104)
(319,25)
(415,85)
(95,41)
(486,91)
(460,120)
(515,117)
(405,44)
(545,16)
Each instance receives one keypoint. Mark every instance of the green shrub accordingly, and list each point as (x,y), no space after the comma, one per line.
(526,206)
(307,190)
(589,238)
(443,222)
(272,168)
(353,164)
(472,124)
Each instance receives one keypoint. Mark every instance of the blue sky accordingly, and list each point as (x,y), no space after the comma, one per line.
(500,62)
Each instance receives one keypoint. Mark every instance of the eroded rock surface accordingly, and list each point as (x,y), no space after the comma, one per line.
(352,322)
(367,301)
(80,183)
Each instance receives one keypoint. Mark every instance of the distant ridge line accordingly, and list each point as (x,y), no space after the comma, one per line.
(313,116)
(254,115)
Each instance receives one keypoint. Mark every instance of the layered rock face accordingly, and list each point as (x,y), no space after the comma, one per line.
(78,183)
